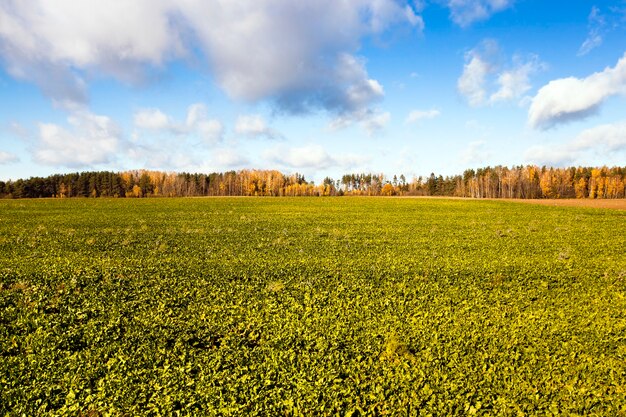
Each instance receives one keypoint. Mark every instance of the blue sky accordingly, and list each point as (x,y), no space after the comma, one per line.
(322,87)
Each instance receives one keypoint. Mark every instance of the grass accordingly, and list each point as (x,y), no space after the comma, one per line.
(337,306)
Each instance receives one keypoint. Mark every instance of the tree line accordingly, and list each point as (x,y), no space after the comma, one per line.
(526,182)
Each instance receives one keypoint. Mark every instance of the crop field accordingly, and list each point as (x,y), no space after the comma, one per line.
(311,306)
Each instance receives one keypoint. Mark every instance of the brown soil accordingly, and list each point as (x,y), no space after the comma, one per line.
(616,204)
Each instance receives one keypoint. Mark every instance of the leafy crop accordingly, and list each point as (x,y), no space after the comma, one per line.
(306,307)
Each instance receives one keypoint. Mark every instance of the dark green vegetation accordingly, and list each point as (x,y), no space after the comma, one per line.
(311,307)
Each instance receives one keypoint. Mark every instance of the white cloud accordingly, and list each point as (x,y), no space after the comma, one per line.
(8,158)
(357,94)
(196,113)
(229,158)
(197,123)
(308,156)
(418,115)
(209,130)
(486,81)
(255,126)
(174,144)
(93,139)
(610,137)
(571,98)
(606,141)
(471,84)
(515,82)
(466,12)
(299,55)
(152,119)
(55,44)
(302,55)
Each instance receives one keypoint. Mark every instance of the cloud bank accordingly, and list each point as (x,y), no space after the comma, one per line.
(298,55)
(571,98)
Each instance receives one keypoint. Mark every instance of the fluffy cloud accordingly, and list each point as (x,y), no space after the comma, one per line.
(466,12)
(7,158)
(152,119)
(55,44)
(571,98)
(299,55)
(174,144)
(607,141)
(210,130)
(92,139)
(485,81)
(197,123)
(418,115)
(471,84)
(515,82)
(255,126)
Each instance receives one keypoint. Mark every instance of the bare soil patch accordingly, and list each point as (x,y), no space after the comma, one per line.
(616,204)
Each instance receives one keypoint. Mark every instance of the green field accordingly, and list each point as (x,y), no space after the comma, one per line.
(311,306)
